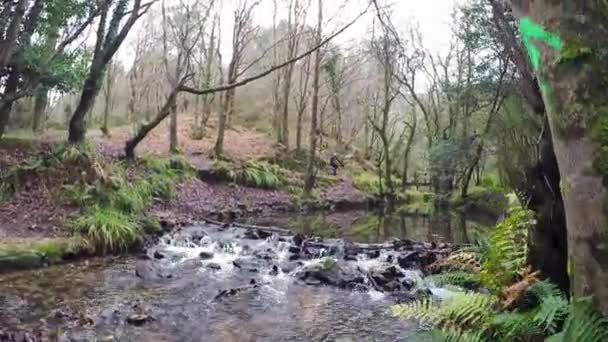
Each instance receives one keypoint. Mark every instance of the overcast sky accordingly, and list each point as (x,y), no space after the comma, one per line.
(432,16)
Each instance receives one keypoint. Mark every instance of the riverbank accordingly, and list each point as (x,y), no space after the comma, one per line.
(42,197)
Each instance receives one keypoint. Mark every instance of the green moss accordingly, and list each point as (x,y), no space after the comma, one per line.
(33,254)
(572,51)
(599,135)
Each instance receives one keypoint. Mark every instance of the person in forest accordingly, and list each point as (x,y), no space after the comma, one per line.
(334,164)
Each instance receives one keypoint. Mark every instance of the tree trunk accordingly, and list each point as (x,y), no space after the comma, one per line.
(7,106)
(299,130)
(78,125)
(40,103)
(173,143)
(310,170)
(145,129)
(406,156)
(218,150)
(564,42)
(285,117)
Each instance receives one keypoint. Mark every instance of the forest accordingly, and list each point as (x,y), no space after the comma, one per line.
(303,170)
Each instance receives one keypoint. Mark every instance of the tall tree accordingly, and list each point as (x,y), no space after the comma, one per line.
(115,22)
(566,44)
(242,34)
(314,112)
(540,180)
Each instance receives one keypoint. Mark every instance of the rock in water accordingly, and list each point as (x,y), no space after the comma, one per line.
(213,266)
(247,264)
(139,319)
(158,255)
(339,275)
(206,255)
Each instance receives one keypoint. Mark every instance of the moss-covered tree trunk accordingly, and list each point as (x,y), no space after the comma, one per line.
(566,42)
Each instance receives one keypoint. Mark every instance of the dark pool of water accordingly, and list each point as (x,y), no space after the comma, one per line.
(371,227)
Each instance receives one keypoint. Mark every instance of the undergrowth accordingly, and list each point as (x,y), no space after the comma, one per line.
(513,306)
(113,196)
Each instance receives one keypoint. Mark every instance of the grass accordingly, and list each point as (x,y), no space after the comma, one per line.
(108,229)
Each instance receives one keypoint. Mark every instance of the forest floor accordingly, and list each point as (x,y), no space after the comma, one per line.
(36,211)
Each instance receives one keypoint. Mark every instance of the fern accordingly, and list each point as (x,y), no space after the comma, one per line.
(463,310)
(451,335)
(584,323)
(423,310)
(551,314)
(506,257)
(510,326)
(461,279)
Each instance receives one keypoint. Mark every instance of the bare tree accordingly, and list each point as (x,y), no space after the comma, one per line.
(165,110)
(312,154)
(242,33)
(301,97)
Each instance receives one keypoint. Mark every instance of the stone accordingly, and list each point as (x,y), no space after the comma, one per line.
(158,255)
(247,264)
(274,271)
(139,319)
(339,275)
(373,254)
(213,266)
(294,249)
(298,239)
(196,233)
(206,255)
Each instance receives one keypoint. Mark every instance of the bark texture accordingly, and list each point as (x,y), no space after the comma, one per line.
(573,75)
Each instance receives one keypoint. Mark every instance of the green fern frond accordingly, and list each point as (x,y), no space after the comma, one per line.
(552,313)
(584,323)
(511,326)
(451,335)
(462,310)
(543,289)
(423,310)
(465,280)
(506,256)
(467,309)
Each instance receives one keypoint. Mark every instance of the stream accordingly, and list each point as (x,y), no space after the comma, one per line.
(225,283)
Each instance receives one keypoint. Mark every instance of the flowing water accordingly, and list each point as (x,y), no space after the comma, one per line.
(197,286)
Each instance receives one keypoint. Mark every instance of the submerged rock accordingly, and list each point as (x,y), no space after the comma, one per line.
(247,264)
(147,270)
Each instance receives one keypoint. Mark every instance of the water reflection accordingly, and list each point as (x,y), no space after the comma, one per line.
(370,227)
